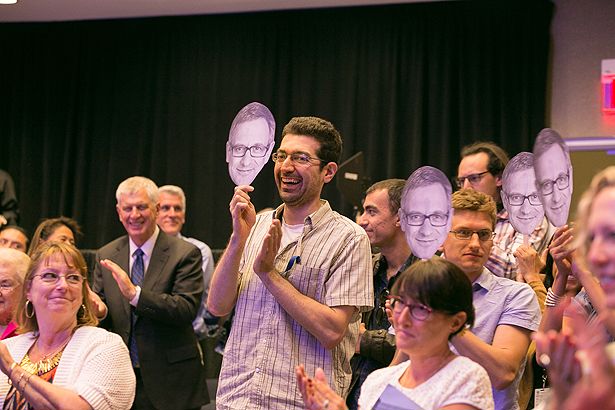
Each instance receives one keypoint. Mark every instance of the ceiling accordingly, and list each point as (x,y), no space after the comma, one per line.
(64,10)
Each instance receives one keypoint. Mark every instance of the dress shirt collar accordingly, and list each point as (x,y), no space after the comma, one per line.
(147,247)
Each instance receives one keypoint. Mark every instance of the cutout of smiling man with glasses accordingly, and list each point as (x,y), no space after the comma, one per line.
(553,175)
(251,140)
(425,210)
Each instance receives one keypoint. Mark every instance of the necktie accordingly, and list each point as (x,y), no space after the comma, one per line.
(137,279)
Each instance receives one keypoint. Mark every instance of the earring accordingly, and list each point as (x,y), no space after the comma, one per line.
(83,310)
(29,315)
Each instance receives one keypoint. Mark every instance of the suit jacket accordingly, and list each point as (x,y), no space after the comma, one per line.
(169,353)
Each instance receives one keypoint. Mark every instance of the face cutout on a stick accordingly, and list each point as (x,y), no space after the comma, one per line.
(250,143)
(519,194)
(426,211)
(553,175)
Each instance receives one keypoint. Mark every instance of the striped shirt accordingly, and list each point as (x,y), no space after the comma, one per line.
(501,261)
(266,343)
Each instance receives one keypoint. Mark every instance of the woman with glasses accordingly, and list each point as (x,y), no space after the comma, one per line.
(431,302)
(61,360)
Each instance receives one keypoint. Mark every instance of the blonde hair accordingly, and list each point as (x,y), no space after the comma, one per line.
(468,199)
(602,180)
(41,257)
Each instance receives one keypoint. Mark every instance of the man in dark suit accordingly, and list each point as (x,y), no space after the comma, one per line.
(153,307)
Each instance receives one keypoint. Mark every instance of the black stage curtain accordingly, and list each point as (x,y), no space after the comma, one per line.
(83,105)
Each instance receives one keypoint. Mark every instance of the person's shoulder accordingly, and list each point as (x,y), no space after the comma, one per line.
(18,339)
(114,244)
(468,365)
(97,335)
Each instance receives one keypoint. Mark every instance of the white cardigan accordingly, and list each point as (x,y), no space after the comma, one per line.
(95,364)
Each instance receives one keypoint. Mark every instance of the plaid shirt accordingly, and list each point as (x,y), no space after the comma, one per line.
(266,343)
(501,260)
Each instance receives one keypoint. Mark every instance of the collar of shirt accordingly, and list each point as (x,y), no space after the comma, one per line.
(147,248)
(485,280)
(312,219)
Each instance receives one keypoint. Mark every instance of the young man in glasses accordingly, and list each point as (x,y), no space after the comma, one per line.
(380,219)
(481,167)
(507,312)
(250,142)
(298,278)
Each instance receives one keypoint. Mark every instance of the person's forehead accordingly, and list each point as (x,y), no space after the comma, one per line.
(432,194)
(471,219)
(292,143)
(252,132)
(135,198)
(473,164)
(552,161)
(13,234)
(378,198)
(169,198)
(521,181)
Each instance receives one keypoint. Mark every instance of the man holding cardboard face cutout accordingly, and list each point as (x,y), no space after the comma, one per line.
(553,175)
(425,210)
(251,140)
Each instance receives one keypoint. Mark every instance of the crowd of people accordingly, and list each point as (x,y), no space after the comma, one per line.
(482,298)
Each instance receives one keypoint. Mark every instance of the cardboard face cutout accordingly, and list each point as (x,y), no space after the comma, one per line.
(553,175)
(426,211)
(250,143)
(519,194)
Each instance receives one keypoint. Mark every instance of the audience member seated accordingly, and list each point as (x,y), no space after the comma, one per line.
(60,229)
(62,360)
(14,237)
(13,268)
(579,362)
(171,219)
(481,168)
(432,303)
(380,220)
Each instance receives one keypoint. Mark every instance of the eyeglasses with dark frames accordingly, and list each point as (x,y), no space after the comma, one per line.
(546,186)
(417,218)
(516,199)
(418,311)
(256,151)
(473,178)
(466,234)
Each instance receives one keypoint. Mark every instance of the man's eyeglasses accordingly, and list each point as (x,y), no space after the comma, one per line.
(417,310)
(466,234)
(473,178)
(546,185)
(417,219)
(518,199)
(297,158)
(51,278)
(256,151)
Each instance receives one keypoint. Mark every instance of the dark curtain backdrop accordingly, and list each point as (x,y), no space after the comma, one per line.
(84,105)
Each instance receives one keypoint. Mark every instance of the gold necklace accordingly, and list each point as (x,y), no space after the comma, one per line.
(47,363)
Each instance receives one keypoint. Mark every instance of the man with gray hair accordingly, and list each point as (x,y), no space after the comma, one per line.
(152,284)
(171,219)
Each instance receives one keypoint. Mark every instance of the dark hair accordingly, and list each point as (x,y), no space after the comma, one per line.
(74,259)
(498,158)
(547,138)
(394,188)
(322,131)
(46,228)
(440,285)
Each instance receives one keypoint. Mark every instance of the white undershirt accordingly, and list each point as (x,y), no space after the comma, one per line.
(290,233)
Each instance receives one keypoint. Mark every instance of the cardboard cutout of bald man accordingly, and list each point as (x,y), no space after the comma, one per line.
(519,194)
(553,175)
(250,142)
(426,211)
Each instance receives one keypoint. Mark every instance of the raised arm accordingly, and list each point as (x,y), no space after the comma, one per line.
(225,280)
